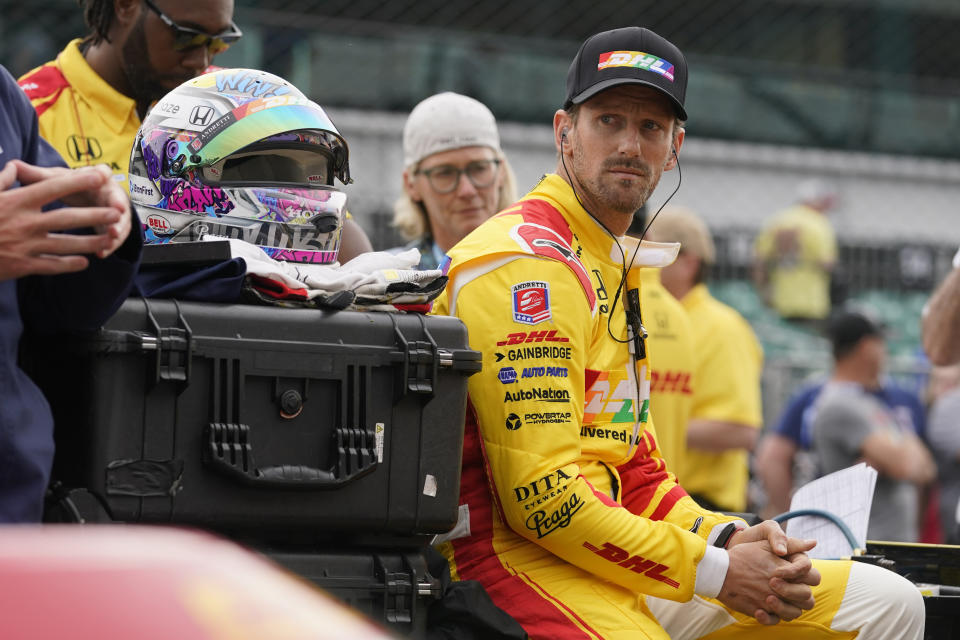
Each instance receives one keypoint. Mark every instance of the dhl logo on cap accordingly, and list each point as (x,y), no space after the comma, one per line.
(636,59)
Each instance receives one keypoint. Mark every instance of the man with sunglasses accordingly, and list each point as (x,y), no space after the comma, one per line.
(91,99)
(456,175)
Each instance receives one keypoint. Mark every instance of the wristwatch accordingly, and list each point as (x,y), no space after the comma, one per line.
(725,534)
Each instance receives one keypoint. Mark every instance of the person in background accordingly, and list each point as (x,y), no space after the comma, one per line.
(726,415)
(795,254)
(455,174)
(672,361)
(784,460)
(51,279)
(92,98)
(941,320)
(943,435)
(850,424)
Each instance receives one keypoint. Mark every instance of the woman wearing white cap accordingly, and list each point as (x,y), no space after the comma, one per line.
(455,174)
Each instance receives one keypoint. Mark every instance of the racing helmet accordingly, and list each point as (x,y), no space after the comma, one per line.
(241,153)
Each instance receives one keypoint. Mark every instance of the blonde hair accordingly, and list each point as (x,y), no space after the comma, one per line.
(410,217)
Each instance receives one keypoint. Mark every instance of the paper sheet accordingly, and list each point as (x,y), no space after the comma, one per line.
(847,494)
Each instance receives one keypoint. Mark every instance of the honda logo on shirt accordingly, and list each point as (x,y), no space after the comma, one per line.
(81,149)
(200,116)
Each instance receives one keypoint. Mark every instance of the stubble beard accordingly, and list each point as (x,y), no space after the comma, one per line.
(140,79)
(621,196)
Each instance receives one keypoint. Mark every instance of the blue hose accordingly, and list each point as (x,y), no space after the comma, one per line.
(820,513)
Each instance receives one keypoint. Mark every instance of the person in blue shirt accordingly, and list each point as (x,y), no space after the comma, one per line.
(67,260)
(792,436)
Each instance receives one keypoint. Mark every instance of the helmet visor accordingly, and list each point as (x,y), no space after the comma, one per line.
(291,167)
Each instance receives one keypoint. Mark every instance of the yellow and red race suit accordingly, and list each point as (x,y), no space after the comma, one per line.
(560,455)
(569,517)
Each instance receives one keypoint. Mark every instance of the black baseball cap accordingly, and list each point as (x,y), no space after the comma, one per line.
(631,55)
(847,328)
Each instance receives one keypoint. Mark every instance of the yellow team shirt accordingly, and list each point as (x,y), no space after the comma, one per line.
(798,246)
(729,361)
(85,119)
(670,346)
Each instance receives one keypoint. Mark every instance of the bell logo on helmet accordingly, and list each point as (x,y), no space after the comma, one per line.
(159,224)
(201,115)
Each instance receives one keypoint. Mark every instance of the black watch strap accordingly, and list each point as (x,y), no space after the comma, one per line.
(724,536)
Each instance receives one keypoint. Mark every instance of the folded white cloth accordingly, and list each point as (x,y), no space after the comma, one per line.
(375,278)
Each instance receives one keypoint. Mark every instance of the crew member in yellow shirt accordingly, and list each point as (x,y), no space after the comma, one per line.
(670,343)
(795,254)
(726,415)
(91,98)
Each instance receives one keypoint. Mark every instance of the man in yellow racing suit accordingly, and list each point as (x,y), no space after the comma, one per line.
(569,516)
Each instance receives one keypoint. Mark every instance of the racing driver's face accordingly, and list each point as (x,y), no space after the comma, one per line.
(618,146)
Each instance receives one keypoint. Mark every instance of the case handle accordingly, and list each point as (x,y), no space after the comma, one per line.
(229,451)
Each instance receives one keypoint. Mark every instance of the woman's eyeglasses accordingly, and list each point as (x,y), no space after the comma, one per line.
(445,177)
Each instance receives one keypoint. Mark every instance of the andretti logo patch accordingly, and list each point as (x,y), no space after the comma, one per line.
(531,302)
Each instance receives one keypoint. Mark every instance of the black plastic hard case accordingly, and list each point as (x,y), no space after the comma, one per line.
(393,587)
(264,423)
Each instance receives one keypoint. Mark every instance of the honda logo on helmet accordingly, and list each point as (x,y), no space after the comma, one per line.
(201,115)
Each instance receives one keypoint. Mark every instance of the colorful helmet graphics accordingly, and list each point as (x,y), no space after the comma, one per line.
(240,153)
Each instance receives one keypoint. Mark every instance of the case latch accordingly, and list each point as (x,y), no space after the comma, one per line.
(420,360)
(174,347)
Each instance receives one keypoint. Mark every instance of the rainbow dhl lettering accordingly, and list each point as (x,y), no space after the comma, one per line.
(636,59)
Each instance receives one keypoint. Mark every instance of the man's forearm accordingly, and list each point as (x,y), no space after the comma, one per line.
(774,465)
(941,322)
(716,436)
(923,468)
